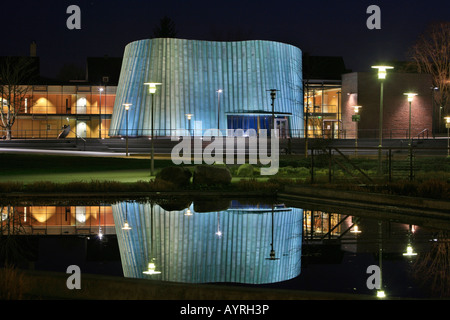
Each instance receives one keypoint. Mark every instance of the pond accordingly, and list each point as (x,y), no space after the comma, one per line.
(249,242)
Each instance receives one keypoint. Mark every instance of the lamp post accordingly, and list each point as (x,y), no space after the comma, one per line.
(219,91)
(447,125)
(100,90)
(127,107)
(382,76)
(410,99)
(273,95)
(356,117)
(152,90)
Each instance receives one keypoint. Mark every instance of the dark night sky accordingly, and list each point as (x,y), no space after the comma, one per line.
(327,28)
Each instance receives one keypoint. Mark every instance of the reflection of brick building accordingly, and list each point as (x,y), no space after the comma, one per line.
(363,89)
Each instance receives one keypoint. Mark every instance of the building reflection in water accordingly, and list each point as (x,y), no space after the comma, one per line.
(60,220)
(251,244)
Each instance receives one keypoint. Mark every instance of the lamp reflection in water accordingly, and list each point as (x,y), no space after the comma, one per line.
(380,291)
(409,249)
(218,232)
(100,233)
(188,212)
(151,268)
(126,226)
(272,255)
(355,229)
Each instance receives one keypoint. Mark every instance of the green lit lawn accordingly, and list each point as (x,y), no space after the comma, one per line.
(112,175)
(29,168)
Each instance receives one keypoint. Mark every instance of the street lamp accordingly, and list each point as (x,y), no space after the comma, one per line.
(152,90)
(100,90)
(273,95)
(447,125)
(356,117)
(382,76)
(219,91)
(410,99)
(127,107)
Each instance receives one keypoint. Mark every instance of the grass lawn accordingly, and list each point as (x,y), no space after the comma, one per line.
(58,177)
(28,168)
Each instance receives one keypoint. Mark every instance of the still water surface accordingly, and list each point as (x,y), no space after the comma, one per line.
(233,242)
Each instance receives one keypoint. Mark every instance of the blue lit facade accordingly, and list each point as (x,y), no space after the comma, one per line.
(187,248)
(191,72)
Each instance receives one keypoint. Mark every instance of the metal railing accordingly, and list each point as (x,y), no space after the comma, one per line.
(299,133)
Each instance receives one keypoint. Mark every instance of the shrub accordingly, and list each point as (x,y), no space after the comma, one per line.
(245,170)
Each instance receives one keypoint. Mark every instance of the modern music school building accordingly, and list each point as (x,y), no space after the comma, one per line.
(208,85)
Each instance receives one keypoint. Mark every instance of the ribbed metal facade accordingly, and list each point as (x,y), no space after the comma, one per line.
(187,248)
(192,71)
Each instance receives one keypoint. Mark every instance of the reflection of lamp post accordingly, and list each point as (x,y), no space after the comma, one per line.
(410,99)
(152,90)
(356,117)
(219,91)
(100,233)
(188,212)
(126,226)
(409,249)
(380,292)
(272,250)
(151,268)
(447,125)
(355,229)
(127,107)
(100,90)
(381,75)
(189,117)
(218,232)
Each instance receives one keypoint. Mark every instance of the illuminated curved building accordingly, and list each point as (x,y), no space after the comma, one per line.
(221,84)
(245,245)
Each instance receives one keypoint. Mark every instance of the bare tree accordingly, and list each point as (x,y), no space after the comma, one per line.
(432,268)
(16,76)
(431,54)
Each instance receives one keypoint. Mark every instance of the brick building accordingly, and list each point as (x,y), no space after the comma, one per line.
(363,89)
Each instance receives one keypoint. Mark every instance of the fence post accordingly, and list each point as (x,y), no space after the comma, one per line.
(410,163)
(390,164)
(330,160)
(312,165)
